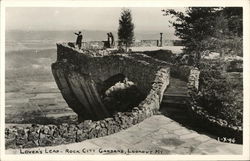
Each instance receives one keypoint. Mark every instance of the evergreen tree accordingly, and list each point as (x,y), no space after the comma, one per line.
(193,26)
(208,28)
(234,16)
(126,29)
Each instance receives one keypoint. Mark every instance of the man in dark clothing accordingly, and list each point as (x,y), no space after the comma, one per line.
(79,39)
(112,39)
(108,43)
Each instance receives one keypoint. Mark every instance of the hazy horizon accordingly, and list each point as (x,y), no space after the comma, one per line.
(80,18)
(43,27)
(68,35)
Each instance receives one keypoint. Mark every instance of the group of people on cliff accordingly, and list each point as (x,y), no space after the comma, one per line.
(107,44)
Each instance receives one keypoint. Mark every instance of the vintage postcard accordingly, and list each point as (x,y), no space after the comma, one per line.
(125,80)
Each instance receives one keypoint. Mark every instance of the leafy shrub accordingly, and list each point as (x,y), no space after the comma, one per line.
(214,64)
(220,96)
(228,45)
(235,66)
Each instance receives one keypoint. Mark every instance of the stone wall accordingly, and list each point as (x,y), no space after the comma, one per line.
(137,67)
(193,79)
(48,135)
(182,72)
(148,43)
(80,76)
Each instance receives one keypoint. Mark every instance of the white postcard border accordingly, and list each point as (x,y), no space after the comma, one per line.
(140,3)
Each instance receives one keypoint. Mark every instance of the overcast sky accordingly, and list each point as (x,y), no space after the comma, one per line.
(52,18)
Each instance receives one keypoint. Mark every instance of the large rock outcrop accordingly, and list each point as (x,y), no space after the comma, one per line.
(82,77)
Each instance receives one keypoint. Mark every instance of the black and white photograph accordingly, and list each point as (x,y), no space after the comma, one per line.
(124,80)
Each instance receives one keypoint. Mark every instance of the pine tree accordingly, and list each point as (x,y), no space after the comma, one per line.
(193,26)
(126,29)
(208,28)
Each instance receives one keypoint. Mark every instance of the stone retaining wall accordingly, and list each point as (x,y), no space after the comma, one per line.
(193,78)
(182,72)
(78,62)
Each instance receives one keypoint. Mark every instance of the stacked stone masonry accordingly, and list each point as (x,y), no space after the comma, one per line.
(72,66)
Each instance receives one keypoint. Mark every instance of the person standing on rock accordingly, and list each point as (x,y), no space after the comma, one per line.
(112,39)
(108,44)
(79,39)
